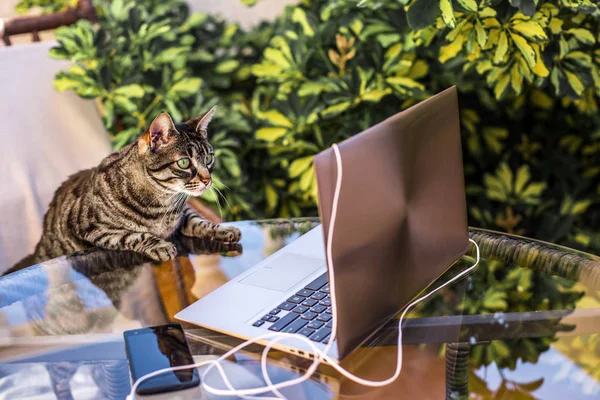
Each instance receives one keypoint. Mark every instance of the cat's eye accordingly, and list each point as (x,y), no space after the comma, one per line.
(209,159)
(183,163)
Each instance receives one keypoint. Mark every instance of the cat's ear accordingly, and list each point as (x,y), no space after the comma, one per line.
(160,133)
(200,124)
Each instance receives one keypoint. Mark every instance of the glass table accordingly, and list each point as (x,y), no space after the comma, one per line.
(524,325)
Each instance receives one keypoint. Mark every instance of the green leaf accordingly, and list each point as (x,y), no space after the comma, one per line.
(270,134)
(186,87)
(300,165)
(523,177)
(531,30)
(133,90)
(580,207)
(276,118)
(299,16)
(447,13)
(125,104)
(501,48)
(63,83)
(271,197)
(582,35)
(525,49)
(421,14)
(226,67)
(194,20)
(495,300)
(336,109)
(469,5)
(534,190)
(575,82)
(169,55)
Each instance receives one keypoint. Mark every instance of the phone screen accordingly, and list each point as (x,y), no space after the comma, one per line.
(152,349)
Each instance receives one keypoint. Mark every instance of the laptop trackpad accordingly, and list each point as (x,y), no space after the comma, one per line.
(284,272)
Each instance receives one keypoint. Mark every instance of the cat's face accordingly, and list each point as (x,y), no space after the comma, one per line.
(178,158)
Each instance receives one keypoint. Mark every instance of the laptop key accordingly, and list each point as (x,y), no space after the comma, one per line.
(324,317)
(325,339)
(321,334)
(306,331)
(300,309)
(266,318)
(273,318)
(295,299)
(325,302)
(325,289)
(328,311)
(329,324)
(275,311)
(283,322)
(309,315)
(318,296)
(295,326)
(287,306)
(305,293)
(309,302)
(318,283)
(315,324)
(258,323)
(318,309)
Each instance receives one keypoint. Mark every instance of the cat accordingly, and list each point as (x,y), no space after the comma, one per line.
(136,198)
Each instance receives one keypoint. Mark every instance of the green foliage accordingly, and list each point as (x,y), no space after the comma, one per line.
(46,6)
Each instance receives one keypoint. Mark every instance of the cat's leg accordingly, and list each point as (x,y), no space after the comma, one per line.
(141,242)
(192,224)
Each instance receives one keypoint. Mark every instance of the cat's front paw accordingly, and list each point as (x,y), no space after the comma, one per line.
(229,234)
(163,251)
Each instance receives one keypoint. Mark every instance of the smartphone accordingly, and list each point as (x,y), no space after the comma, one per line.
(155,348)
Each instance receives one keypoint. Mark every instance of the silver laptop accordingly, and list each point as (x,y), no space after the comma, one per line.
(401,223)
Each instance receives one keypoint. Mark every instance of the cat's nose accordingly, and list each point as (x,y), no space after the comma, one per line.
(206,181)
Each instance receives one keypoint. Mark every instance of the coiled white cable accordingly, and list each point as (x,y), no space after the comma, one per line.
(319,355)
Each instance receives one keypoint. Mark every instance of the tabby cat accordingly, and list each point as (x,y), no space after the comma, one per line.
(136,198)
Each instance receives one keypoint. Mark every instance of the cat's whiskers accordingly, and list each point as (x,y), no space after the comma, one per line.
(224,198)
(218,203)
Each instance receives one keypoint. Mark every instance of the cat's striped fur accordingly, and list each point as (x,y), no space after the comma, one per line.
(136,198)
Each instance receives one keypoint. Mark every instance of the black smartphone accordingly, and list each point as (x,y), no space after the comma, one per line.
(155,348)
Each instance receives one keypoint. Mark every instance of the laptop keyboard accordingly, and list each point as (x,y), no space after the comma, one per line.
(308,312)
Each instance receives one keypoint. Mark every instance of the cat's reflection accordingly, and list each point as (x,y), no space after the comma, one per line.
(73,306)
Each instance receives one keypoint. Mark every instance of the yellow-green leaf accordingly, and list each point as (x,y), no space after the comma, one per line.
(501,86)
(63,83)
(271,196)
(531,30)
(534,190)
(133,90)
(506,176)
(580,207)
(555,25)
(405,82)
(336,109)
(186,87)
(516,79)
(227,66)
(575,82)
(270,134)
(307,179)
(525,49)
(276,57)
(452,49)
(582,35)
(299,16)
(539,68)
(276,118)
(523,177)
(501,48)
(447,13)
(262,70)
(469,5)
(376,95)
(300,165)
(481,34)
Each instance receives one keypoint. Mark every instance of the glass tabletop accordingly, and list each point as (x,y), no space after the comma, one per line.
(525,324)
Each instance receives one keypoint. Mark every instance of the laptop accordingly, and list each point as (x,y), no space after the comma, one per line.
(401,223)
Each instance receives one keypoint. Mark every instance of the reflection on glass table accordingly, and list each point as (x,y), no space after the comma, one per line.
(525,324)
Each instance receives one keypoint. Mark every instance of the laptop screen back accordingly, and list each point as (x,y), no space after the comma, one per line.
(401,218)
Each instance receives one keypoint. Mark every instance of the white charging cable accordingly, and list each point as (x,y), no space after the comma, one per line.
(319,355)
